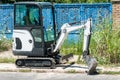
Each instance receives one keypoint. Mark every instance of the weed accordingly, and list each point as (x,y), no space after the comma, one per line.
(104,44)
(7,60)
(24,70)
(110,72)
(5,44)
(71,71)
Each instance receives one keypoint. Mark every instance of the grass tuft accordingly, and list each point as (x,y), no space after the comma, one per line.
(110,72)
(7,60)
(24,70)
(71,71)
(5,44)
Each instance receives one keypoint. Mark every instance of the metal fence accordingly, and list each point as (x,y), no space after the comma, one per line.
(100,14)
(64,13)
(6,21)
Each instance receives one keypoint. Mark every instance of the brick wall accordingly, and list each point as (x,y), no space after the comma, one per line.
(116,13)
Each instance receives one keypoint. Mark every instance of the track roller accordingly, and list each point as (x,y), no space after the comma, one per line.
(19,62)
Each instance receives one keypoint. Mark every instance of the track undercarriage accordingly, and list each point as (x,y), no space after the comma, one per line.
(42,61)
(52,63)
(36,62)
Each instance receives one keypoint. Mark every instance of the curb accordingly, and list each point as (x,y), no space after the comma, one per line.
(43,70)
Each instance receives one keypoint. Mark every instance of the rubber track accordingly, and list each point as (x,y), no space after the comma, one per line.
(36,63)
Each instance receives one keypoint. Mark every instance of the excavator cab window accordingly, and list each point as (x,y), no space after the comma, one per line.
(47,15)
(27,15)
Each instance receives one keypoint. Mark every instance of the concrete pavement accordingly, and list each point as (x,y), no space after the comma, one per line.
(61,68)
(54,76)
(75,68)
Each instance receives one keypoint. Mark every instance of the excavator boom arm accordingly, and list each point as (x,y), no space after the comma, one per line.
(66,29)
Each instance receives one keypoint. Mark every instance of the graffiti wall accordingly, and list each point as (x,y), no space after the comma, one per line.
(6,21)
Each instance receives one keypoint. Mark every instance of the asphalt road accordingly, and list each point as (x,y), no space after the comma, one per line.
(54,76)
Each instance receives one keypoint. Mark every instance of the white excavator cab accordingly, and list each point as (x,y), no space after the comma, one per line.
(34,31)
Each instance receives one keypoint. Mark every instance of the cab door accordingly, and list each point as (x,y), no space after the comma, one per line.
(48,27)
(27,34)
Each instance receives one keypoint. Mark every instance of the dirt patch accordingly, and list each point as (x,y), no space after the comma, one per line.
(7,54)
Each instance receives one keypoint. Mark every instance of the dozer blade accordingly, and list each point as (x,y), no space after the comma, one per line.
(92,64)
(66,58)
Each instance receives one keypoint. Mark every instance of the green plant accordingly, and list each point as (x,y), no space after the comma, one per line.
(5,44)
(105,44)
(7,60)
(110,72)
(24,70)
(72,46)
(71,71)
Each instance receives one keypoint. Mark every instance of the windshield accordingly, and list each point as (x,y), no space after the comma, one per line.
(26,15)
(48,24)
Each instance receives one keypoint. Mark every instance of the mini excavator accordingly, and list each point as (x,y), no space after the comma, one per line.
(35,36)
